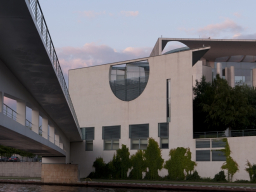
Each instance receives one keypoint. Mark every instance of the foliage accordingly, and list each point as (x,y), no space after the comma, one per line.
(220,176)
(138,165)
(230,165)
(179,162)
(153,159)
(101,169)
(123,155)
(193,177)
(221,106)
(9,151)
(251,169)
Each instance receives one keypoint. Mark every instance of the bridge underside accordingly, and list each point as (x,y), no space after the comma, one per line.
(17,136)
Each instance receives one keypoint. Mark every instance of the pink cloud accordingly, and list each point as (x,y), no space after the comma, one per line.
(93,54)
(90,14)
(130,13)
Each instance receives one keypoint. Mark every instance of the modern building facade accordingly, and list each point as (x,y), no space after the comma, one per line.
(127,102)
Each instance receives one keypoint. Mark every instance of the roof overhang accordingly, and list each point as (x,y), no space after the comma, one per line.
(219,47)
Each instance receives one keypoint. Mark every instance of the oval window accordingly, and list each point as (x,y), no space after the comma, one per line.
(128,81)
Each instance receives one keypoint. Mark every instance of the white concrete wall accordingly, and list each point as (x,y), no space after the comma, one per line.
(200,70)
(97,106)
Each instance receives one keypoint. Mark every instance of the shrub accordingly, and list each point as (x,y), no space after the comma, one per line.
(220,176)
(179,162)
(138,165)
(153,159)
(193,177)
(252,171)
(123,155)
(114,167)
(101,169)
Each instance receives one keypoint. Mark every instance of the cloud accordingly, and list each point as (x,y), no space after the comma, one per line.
(130,13)
(92,54)
(91,14)
(214,30)
(237,14)
(244,36)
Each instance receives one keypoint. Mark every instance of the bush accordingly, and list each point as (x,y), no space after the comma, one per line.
(179,163)
(138,165)
(252,171)
(101,169)
(123,155)
(220,177)
(153,159)
(193,177)
(241,181)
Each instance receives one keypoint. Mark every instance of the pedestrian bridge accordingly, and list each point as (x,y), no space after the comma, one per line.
(30,75)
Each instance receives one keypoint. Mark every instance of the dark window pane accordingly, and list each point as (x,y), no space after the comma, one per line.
(139,131)
(203,143)
(203,155)
(218,156)
(163,130)
(89,145)
(111,132)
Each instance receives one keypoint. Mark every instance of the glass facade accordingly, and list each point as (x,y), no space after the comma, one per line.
(243,66)
(128,81)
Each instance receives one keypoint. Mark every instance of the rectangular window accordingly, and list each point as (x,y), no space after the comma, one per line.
(218,155)
(163,133)
(203,155)
(139,136)
(218,143)
(111,136)
(203,143)
(168,98)
(88,136)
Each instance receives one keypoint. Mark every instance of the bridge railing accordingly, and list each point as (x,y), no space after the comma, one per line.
(9,112)
(47,40)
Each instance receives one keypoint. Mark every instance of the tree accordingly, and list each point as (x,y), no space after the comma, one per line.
(179,163)
(230,165)
(138,165)
(123,155)
(153,159)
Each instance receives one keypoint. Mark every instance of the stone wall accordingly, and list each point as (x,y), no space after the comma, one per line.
(60,173)
(20,169)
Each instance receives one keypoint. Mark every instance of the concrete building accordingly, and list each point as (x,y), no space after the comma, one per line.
(129,101)
(112,104)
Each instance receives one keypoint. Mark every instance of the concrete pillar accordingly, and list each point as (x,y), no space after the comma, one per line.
(57,140)
(21,112)
(51,134)
(254,77)
(35,120)
(232,76)
(219,69)
(1,102)
(226,74)
(45,127)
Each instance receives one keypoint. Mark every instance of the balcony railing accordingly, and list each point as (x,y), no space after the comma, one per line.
(232,133)
(38,16)
(40,131)
(9,112)
(28,124)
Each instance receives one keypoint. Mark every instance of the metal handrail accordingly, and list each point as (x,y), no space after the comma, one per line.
(9,112)
(233,133)
(28,124)
(40,131)
(47,40)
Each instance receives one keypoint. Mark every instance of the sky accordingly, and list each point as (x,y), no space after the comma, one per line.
(87,32)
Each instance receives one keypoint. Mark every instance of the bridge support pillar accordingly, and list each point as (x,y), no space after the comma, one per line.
(45,127)
(21,110)
(51,134)
(1,101)
(35,120)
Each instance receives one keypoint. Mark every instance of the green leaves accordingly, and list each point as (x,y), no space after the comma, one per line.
(153,159)
(218,106)
(179,163)
(9,151)
(138,165)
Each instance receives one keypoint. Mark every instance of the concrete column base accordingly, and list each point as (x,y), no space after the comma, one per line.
(60,173)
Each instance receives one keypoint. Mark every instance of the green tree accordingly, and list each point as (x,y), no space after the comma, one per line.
(230,165)
(153,159)
(115,167)
(100,167)
(123,155)
(138,165)
(251,169)
(179,163)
